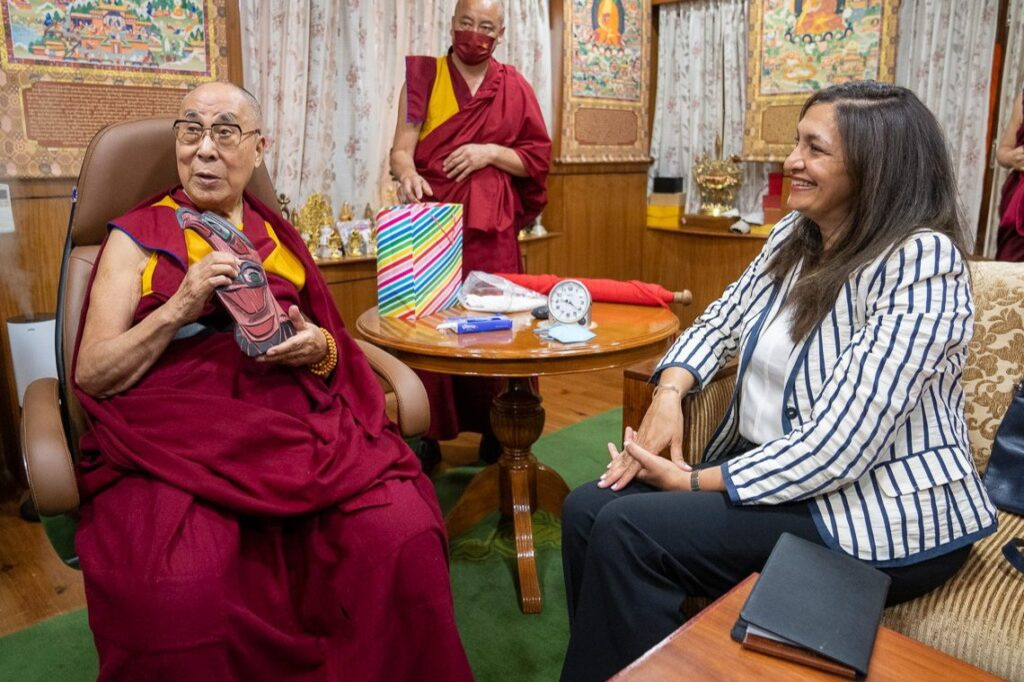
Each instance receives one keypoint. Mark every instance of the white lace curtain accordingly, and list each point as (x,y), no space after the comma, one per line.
(702,66)
(944,55)
(328,74)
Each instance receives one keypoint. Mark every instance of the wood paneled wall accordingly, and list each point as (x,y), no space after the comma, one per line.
(29,269)
(703,260)
(600,210)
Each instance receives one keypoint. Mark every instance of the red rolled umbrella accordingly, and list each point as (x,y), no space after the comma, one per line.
(631,291)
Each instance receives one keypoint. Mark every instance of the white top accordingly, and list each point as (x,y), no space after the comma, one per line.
(764,382)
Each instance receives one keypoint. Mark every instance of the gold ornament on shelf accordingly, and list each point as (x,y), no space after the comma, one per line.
(315,214)
(391,195)
(354,245)
(324,248)
(345,213)
(334,244)
(368,213)
(718,180)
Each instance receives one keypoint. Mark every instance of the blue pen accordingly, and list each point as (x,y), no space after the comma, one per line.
(471,325)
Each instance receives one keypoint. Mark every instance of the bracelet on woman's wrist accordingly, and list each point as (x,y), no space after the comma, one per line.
(695,481)
(667,387)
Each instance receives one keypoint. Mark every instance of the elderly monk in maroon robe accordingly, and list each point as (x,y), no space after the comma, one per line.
(244,518)
(470,132)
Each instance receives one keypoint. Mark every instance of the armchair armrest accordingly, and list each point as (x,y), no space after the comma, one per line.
(49,466)
(704,411)
(397,378)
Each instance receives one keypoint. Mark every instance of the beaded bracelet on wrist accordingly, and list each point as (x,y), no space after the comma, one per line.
(323,367)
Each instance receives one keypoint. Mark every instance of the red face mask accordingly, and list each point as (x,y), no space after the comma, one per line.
(473,48)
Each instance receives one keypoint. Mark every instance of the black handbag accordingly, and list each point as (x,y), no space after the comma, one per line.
(1004,476)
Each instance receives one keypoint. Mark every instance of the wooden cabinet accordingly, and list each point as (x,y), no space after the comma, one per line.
(703,260)
(536,253)
(353,286)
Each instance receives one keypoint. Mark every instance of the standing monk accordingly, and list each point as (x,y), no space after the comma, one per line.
(470,132)
(244,518)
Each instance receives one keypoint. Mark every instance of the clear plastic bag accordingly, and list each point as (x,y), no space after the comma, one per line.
(489,293)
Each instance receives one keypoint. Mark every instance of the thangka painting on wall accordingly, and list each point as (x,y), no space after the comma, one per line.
(605,80)
(799,46)
(70,67)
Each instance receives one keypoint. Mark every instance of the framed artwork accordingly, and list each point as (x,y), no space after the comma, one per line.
(799,46)
(70,67)
(605,80)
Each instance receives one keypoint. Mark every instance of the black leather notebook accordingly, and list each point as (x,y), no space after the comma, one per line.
(815,606)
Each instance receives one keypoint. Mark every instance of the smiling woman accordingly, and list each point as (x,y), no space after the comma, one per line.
(820,188)
(846,427)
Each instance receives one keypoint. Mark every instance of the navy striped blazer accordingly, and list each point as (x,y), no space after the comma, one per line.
(875,438)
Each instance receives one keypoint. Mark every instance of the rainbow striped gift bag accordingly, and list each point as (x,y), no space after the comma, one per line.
(419,259)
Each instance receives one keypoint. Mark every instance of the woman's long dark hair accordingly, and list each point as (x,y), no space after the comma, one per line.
(901,179)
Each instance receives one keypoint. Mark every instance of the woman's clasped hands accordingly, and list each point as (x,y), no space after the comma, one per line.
(639,459)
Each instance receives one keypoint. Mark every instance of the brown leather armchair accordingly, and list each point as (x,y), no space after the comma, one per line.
(124,164)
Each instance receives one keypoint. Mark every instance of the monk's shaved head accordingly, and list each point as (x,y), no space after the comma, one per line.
(480,6)
(251,104)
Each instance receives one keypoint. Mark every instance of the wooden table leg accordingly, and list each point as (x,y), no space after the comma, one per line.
(517,485)
(478,500)
(524,485)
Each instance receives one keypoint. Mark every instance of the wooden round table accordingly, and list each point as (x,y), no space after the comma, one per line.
(517,484)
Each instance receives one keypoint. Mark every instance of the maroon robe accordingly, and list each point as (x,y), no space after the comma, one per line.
(1010,238)
(496,205)
(243,520)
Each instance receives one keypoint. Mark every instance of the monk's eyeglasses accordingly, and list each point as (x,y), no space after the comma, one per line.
(224,135)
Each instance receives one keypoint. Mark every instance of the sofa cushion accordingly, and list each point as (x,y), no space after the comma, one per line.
(978,615)
(996,353)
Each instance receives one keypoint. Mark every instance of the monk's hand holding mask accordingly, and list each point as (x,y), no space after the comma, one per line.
(306,347)
(468,159)
(214,270)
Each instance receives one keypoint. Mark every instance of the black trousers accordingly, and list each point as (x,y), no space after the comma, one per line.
(631,558)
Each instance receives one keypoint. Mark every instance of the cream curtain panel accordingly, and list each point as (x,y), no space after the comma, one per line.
(702,66)
(329,73)
(1013,82)
(945,56)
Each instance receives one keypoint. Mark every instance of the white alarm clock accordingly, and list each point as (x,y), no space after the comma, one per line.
(569,302)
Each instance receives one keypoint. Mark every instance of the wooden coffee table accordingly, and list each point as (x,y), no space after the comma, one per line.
(703,650)
(517,484)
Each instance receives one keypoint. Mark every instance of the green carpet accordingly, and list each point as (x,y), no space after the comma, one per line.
(502,643)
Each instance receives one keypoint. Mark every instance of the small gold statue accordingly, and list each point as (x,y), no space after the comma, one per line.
(718,180)
(368,214)
(327,243)
(334,242)
(345,213)
(354,245)
(391,195)
(315,214)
